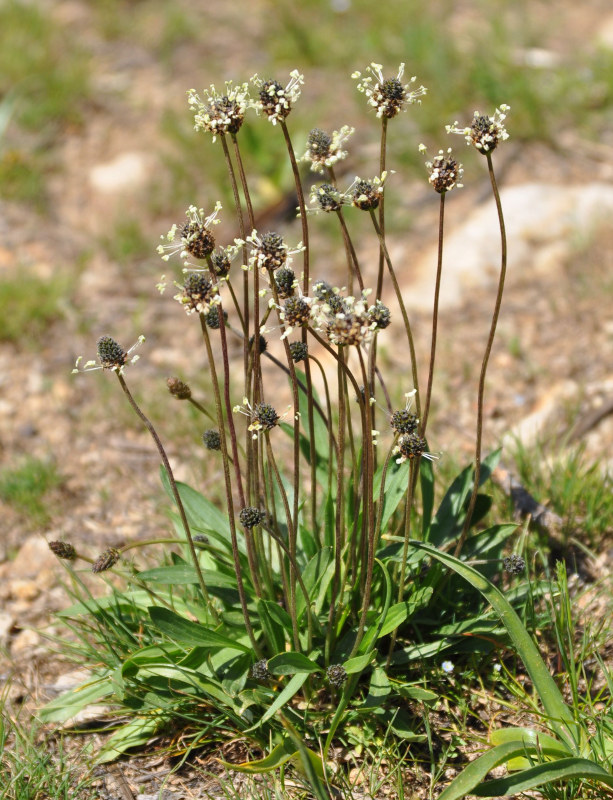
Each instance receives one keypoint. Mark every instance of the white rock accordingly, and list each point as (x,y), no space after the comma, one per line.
(542,222)
(126,172)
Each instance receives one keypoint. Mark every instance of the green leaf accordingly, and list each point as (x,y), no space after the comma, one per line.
(135,734)
(396,484)
(560,716)
(426,477)
(358,664)
(273,630)
(395,617)
(293,686)
(69,703)
(313,574)
(378,689)
(564,769)
(292,663)
(186,632)
(200,512)
(184,574)
(532,739)
(280,755)
(374,632)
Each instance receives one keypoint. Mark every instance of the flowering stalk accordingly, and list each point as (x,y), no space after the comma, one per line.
(486,356)
(403,311)
(175,492)
(228,487)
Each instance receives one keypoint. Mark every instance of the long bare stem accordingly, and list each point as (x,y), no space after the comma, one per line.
(437,291)
(175,491)
(486,357)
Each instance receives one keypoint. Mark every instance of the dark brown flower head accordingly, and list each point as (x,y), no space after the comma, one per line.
(514,564)
(403,421)
(220,113)
(178,389)
(271,251)
(220,261)
(275,100)
(322,290)
(318,143)
(336,675)
(111,355)
(366,195)
(211,440)
(296,312)
(485,133)
(410,445)
(347,329)
(445,172)
(212,317)
(264,417)
(259,671)
(298,351)
(388,96)
(379,315)
(106,560)
(199,292)
(251,517)
(262,343)
(327,197)
(197,239)
(63,550)
(285,279)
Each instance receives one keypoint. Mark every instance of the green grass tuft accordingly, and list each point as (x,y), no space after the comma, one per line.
(26,486)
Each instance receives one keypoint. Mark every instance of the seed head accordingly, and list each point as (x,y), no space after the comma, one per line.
(409,446)
(250,517)
(299,351)
(262,343)
(269,250)
(220,261)
(514,564)
(403,421)
(379,315)
(111,355)
(327,197)
(285,279)
(212,317)
(485,133)
(199,293)
(178,389)
(445,172)
(322,290)
(324,150)
(63,550)
(336,675)
(366,195)
(264,417)
(192,238)
(220,112)
(106,560)
(388,96)
(296,312)
(259,670)
(211,440)
(274,100)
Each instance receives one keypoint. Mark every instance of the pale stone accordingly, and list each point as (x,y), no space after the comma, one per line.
(33,556)
(6,623)
(126,172)
(605,32)
(24,641)
(543,222)
(24,590)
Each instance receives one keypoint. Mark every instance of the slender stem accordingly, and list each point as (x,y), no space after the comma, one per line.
(352,256)
(175,491)
(486,357)
(405,316)
(228,487)
(367,506)
(437,291)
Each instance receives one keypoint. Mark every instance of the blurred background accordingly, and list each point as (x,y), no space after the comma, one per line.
(98,157)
